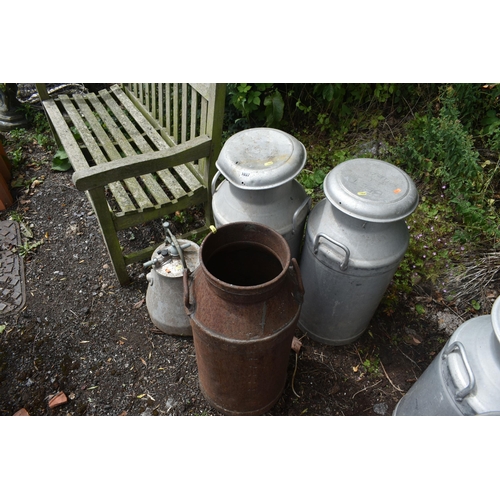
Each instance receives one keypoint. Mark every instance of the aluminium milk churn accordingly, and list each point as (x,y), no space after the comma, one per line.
(355,240)
(260,166)
(464,379)
(244,302)
(165,293)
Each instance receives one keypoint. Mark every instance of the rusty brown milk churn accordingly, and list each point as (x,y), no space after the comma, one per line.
(243,302)
(355,240)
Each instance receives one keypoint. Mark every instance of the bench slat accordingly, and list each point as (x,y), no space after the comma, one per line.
(188,177)
(79,124)
(155,137)
(111,126)
(135,189)
(132,184)
(171,182)
(184,116)
(138,193)
(68,141)
(168,108)
(139,140)
(175,124)
(155,189)
(161,116)
(194,112)
(202,89)
(122,198)
(96,127)
(116,188)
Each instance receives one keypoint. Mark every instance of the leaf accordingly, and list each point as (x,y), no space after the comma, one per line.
(60,162)
(2,328)
(420,309)
(274,108)
(476,305)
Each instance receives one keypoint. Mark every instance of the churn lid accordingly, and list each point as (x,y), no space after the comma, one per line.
(371,190)
(261,158)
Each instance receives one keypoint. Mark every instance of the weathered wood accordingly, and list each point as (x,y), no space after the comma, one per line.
(66,137)
(150,146)
(100,175)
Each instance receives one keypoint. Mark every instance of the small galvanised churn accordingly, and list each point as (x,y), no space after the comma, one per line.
(244,302)
(464,379)
(165,293)
(355,240)
(260,166)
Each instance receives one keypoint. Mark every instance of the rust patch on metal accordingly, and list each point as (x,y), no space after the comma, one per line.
(244,302)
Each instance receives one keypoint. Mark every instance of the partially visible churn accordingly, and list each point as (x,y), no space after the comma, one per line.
(260,166)
(164,296)
(355,241)
(464,379)
(243,302)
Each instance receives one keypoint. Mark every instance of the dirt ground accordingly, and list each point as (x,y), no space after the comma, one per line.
(82,334)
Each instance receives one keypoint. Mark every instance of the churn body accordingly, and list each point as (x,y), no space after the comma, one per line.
(260,166)
(464,379)
(243,302)
(164,296)
(355,241)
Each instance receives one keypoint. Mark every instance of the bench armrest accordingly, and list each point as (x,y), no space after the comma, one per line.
(134,166)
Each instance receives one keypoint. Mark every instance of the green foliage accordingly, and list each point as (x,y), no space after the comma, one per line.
(372,366)
(439,150)
(432,249)
(420,309)
(258,102)
(60,162)
(17,156)
(321,158)
(321,107)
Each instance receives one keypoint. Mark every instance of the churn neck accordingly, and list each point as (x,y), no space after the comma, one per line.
(245,262)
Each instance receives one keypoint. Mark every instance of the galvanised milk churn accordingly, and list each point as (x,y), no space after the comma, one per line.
(165,293)
(355,240)
(244,302)
(464,379)
(260,166)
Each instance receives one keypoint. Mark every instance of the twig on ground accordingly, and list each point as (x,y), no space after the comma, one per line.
(385,373)
(408,357)
(366,388)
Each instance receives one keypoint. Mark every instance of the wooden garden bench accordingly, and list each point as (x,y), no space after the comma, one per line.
(140,152)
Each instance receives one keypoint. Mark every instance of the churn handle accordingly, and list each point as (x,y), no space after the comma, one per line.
(472,380)
(343,266)
(214,181)
(307,201)
(296,270)
(185,281)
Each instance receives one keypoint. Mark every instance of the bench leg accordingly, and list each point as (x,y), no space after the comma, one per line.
(98,200)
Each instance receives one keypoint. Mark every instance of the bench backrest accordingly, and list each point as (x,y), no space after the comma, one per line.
(182,111)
